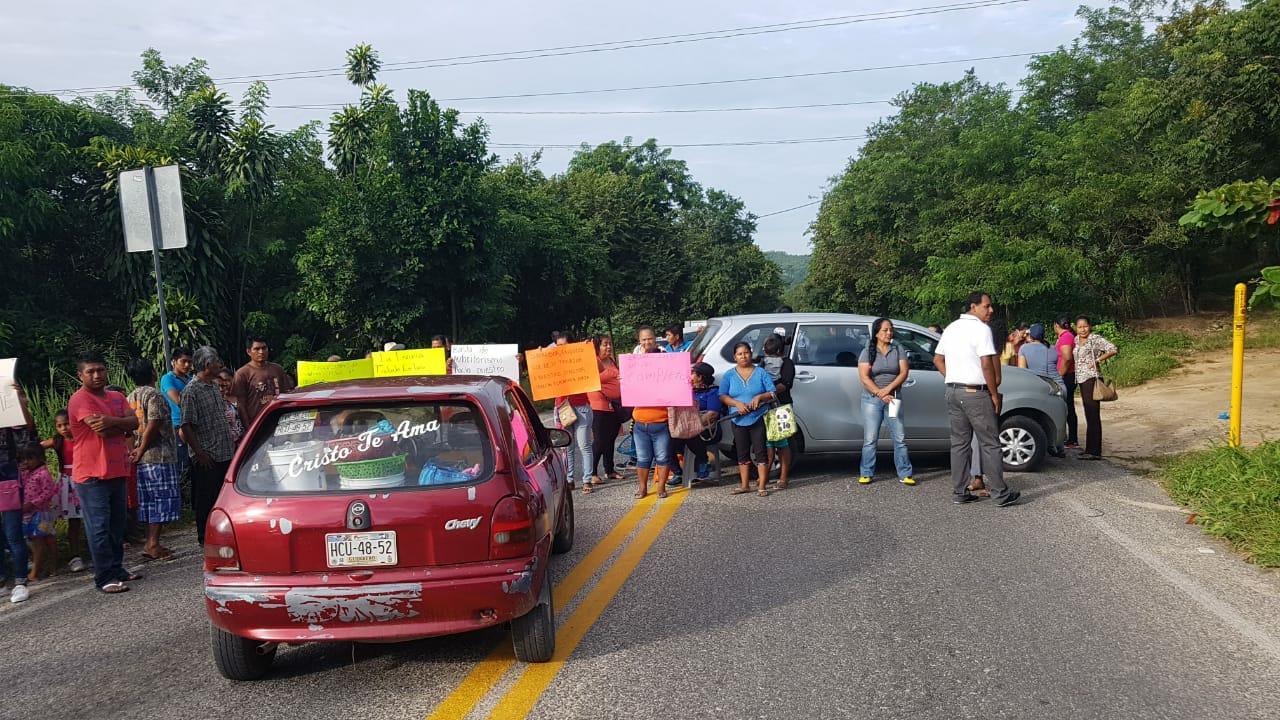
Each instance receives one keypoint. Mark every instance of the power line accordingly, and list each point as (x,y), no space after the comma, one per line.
(733,143)
(608,46)
(779,212)
(656,111)
(761,78)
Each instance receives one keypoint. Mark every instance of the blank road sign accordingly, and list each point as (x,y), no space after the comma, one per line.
(137,216)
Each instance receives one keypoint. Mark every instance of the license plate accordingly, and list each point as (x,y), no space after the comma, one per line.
(361,549)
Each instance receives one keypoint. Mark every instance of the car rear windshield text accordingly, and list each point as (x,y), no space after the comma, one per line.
(351,448)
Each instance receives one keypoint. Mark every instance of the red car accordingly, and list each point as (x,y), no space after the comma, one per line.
(386,510)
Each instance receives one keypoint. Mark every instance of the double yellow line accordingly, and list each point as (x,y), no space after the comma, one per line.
(519,700)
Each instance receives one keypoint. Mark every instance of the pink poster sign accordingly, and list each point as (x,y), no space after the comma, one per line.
(655,380)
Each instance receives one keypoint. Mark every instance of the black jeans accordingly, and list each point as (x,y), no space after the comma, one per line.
(604,425)
(1092,418)
(749,441)
(1073,435)
(206,483)
(695,445)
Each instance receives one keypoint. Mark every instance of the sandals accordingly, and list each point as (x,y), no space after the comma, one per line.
(130,576)
(114,587)
(162,556)
(740,491)
(640,494)
(613,476)
(595,480)
(662,491)
(586,489)
(762,493)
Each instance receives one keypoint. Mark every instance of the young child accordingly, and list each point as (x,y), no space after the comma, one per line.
(38,490)
(68,502)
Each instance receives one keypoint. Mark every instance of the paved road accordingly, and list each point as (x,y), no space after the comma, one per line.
(1093,599)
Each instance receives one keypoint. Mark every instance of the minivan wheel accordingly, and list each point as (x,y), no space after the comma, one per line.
(562,541)
(533,635)
(1023,443)
(241,658)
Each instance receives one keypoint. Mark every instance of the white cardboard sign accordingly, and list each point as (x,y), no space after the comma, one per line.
(487,360)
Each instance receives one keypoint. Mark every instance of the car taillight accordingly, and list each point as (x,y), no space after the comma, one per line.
(220,552)
(513,528)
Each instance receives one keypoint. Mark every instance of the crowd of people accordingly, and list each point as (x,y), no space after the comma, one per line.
(970,355)
(121,460)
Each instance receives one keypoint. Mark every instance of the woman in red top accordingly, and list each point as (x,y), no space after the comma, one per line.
(605,404)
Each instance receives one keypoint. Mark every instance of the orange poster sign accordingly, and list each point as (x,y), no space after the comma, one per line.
(563,370)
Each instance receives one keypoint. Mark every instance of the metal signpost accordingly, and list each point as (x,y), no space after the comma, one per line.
(151,210)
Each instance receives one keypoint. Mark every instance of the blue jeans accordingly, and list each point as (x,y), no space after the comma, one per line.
(103,505)
(580,448)
(875,412)
(12,520)
(653,445)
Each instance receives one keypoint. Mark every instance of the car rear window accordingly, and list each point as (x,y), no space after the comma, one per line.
(700,343)
(352,448)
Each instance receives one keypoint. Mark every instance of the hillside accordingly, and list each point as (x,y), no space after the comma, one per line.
(794,267)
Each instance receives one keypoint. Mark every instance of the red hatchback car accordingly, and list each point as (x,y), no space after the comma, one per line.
(385,510)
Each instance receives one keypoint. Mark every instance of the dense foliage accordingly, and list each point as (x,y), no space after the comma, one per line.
(412,228)
(1066,198)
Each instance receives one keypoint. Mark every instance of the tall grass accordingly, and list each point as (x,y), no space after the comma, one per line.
(1150,355)
(1235,493)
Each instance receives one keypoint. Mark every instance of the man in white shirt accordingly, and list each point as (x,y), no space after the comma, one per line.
(966,357)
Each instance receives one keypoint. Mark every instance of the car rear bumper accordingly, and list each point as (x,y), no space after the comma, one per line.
(390,605)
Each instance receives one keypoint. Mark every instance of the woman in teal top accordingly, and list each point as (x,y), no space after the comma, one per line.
(747,391)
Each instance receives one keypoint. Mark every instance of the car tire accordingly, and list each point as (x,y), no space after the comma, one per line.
(562,541)
(1023,443)
(533,635)
(241,658)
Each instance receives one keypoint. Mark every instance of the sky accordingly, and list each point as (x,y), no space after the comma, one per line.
(59,45)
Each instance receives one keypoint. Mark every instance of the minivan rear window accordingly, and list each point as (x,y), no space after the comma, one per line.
(352,448)
(700,343)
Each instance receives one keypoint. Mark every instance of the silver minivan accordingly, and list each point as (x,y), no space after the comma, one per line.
(827,392)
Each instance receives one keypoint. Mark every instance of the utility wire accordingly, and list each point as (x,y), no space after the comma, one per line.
(732,143)
(779,212)
(608,46)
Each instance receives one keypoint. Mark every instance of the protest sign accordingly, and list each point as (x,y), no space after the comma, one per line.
(563,370)
(397,363)
(10,405)
(487,360)
(317,372)
(655,380)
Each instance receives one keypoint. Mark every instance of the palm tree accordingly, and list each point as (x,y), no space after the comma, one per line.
(362,65)
(209,112)
(250,167)
(349,139)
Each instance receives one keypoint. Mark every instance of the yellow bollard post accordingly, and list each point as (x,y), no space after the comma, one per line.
(1237,365)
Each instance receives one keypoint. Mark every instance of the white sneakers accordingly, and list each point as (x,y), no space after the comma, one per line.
(19,594)
(76,565)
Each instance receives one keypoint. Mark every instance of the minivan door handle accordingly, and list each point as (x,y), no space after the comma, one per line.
(805,376)
(909,382)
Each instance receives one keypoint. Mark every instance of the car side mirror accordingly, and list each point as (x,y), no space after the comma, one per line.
(559,438)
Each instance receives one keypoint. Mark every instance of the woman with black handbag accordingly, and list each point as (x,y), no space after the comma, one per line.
(1090,351)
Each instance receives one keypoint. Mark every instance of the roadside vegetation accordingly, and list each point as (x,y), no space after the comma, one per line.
(1235,494)
(1145,356)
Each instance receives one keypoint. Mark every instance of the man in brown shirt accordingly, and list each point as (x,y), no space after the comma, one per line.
(258,381)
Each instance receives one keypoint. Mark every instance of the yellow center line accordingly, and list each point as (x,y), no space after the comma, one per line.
(522,696)
(490,670)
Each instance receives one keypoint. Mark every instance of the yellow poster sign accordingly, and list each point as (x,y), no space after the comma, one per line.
(397,363)
(317,372)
